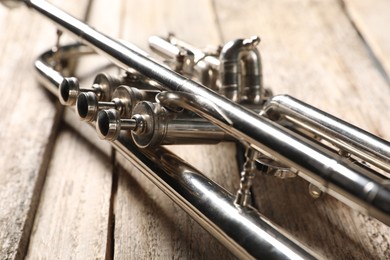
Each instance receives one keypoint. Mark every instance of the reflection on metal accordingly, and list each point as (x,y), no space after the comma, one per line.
(154,104)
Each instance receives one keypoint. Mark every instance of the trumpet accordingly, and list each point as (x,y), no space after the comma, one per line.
(208,96)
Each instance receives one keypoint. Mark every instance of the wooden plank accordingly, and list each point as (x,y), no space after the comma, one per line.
(311,51)
(80,223)
(147,223)
(28,124)
(371,19)
(72,218)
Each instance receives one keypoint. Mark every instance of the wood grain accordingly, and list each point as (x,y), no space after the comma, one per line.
(27,125)
(72,218)
(372,20)
(311,51)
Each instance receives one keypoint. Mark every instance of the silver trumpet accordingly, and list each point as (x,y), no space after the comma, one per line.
(199,96)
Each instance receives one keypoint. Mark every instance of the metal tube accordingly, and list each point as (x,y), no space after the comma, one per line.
(47,76)
(251,82)
(338,176)
(161,127)
(241,82)
(164,47)
(316,165)
(348,137)
(244,231)
(190,131)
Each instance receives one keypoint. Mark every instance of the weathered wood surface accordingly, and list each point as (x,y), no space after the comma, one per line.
(310,50)
(27,125)
(372,20)
(72,218)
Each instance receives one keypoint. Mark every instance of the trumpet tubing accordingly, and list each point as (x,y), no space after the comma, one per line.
(196,96)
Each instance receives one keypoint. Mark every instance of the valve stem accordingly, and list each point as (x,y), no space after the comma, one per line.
(109,124)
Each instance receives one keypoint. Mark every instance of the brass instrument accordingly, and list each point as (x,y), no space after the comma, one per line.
(203,97)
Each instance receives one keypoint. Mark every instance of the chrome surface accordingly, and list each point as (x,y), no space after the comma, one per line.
(243,230)
(202,65)
(342,134)
(288,138)
(241,81)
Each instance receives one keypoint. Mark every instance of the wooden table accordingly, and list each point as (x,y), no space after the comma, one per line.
(62,198)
